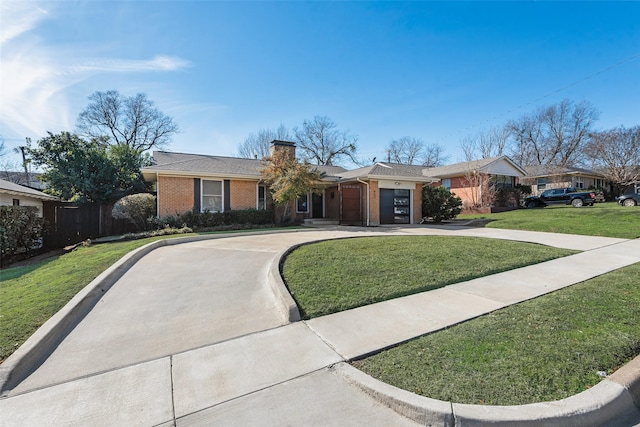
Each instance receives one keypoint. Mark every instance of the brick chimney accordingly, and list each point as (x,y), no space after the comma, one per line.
(289,147)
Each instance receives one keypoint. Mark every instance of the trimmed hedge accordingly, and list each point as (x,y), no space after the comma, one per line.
(207,220)
(20,230)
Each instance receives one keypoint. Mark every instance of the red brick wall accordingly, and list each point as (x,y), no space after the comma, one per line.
(175,195)
(374,203)
(331,206)
(243,194)
(417,204)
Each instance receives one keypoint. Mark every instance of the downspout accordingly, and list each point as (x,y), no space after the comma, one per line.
(157,194)
(367,184)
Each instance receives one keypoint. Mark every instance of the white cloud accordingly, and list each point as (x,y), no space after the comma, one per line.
(158,63)
(19,17)
(37,77)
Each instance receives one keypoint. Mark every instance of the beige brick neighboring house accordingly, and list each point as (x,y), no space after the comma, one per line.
(474,181)
(544,177)
(382,193)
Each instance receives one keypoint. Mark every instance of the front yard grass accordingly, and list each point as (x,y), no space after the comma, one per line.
(544,349)
(336,275)
(603,219)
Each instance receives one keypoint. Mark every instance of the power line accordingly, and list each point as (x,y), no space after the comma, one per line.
(536,100)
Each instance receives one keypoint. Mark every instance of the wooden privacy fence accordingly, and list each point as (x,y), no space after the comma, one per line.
(68,224)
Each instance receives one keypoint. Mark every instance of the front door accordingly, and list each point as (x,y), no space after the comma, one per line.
(316,206)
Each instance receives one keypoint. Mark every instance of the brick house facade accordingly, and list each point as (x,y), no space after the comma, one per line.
(476,181)
(383,193)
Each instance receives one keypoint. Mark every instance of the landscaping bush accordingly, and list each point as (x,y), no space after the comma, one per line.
(20,230)
(440,204)
(137,209)
(218,220)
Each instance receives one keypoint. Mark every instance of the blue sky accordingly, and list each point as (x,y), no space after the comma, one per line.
(438,71)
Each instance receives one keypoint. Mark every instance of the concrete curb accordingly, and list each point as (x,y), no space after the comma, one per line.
(279,289)
(34,351)
(607,403)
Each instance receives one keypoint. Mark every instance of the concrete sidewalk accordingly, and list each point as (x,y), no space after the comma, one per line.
(193,335)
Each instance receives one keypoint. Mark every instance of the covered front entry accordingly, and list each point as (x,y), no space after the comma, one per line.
(317,206)
(350,204)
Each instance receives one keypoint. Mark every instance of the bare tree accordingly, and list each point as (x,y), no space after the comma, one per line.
(413,151)
(321,143)
(617,153)
(553,135)
(433,155)
(405,150)
(258,145)
(133,121)
(485,144)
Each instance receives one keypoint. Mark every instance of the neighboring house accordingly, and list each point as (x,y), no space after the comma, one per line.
(475,181)
(12,194)
(545,177)
(30,180)
(378,194)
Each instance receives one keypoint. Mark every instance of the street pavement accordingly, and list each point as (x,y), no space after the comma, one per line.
(192,334)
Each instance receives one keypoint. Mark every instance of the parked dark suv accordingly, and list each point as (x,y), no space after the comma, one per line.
(561,196)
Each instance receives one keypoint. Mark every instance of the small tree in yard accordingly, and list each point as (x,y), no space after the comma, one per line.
(440,204)
(288,179)
(136,208)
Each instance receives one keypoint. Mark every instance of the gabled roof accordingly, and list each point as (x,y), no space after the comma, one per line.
(480,165)
(200,164)
(20,190)
(388,170)
(536,171)
(21,178)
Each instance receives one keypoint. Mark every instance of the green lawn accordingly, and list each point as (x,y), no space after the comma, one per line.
(336,275)
(544,349)
(603,219)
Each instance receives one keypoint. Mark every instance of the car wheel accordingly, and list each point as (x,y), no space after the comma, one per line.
(531,205)
(576,203)
(629,202)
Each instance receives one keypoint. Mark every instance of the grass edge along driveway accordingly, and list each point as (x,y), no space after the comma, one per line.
(336,275)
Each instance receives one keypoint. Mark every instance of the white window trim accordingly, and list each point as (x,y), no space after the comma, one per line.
(202,207)
(258,196)
(307,211)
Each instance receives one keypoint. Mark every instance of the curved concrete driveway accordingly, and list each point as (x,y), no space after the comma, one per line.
(192,334)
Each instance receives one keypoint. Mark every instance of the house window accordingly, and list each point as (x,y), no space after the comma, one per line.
(302,204)
(446,183)
(211,196)
(502,181)
(542,183)
(16,202)
(579,183)
(262,197)
(599,183)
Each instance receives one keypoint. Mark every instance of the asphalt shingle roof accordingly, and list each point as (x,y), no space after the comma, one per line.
(391,170)
(547,170)
(11,187)
(218,165)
